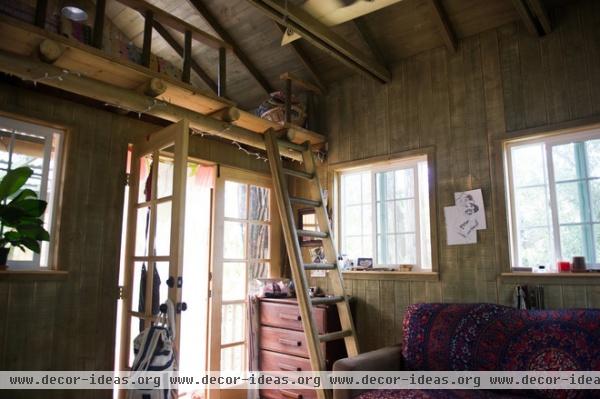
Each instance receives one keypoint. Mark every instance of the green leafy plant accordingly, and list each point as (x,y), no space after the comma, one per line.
(20,212)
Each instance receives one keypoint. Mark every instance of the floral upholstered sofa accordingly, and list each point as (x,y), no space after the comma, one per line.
(484,337)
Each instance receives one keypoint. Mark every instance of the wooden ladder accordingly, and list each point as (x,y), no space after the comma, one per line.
(291,234)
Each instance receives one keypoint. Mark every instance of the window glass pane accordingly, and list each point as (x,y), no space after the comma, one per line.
(571,241)
(5,138)
(386,249)
(234,281)
(531,207)
(535,247)
(352,188)
(162,241)
(565,165)
(385,185)
(404,183)
(366,187)
(258,243)
(367,216)
(232,358)
(235,200)
(233,319)
(405,216)
(597,241)
(592,148)
(259,203)
(164,180)
(353,247)
(234,235)
(528,165)
(569,202)
(258,270)
(352,220)
(19,255)
(595,199)
(386,222)
(406,249)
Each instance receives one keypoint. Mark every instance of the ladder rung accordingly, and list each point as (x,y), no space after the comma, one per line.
(314,234)
(298,173)
(335,335)
(307,202)
(293,146)
(320,266)
(326,300)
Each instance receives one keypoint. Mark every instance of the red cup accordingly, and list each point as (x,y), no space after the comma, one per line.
(563,266)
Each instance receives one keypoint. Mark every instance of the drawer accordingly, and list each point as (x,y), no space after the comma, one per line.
(288,393)
(272,361)
(285,341)
(288,316)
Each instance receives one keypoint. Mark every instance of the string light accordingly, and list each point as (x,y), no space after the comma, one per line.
(47,76)
(155,103)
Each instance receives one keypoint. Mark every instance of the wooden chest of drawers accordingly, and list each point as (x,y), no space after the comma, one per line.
(282,342)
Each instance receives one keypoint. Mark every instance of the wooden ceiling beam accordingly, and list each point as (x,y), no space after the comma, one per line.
(304,58)
(321,36)
(210,18)
(534,16)
(444,26)
(539,10)
(367,36)
(164,33)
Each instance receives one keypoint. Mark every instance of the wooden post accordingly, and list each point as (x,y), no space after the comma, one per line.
(40,13)
(147,46)
(187,57)
(288,100)
(50,51)
(99,24)
(222,72)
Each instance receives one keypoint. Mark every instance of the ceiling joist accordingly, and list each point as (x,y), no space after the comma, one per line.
(534,16)
(444,26)
(239,53)
(367,36)
(322,37)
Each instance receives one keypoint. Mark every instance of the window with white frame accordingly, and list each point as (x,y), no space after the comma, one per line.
(384,213)
(554,198)
(38,147)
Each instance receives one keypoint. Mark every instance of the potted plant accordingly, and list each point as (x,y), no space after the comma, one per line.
(21,225)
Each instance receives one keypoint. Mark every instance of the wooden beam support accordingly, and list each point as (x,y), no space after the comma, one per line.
(304,84)
(288,100)
(175,23)
(304,58)
(147,45)
(99,24)
(321,36)
(227,114)
(443,24)
(539,10)
(153,87)
(222,73)
(187,56)
(28,69)
(210,18)
(367,36)
(41,9)
(50,51)
(526,16)
(178,48)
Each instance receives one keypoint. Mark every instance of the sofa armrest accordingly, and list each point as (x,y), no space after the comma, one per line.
(384,359)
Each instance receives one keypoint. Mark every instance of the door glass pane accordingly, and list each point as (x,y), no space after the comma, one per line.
(258,270)
(135,328)
(164,181)
(233,318)
(162,242)
(258,243)
(259,203)
(535,247)
(528,165)
(160,286)
(145,179)
(233,240)
(569,202)
(234,281)
(138,281)
(571,241)
(565,165)
(232,358)
(235,200)
(592,149)
(141,234)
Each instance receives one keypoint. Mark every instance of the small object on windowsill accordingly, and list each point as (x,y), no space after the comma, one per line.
(578,265)
(520,269)
(541,269)
(563,267)
(405,268)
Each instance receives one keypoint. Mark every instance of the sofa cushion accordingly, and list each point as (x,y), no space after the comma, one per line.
(493,337)
(434,394)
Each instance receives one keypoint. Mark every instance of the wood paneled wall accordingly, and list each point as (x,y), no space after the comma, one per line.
(70,324)
(500,81)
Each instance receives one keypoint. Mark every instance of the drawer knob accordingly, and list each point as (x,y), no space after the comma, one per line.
(288,367)
(289,394)
(287,316)
(289,342)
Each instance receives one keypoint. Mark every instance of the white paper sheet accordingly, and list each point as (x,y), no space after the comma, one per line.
(459,229)
(471,204)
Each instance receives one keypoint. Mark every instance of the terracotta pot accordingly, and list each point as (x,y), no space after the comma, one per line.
(3,258)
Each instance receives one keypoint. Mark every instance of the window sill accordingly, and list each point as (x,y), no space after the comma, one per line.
(33,275)
(390,275)
(552,278)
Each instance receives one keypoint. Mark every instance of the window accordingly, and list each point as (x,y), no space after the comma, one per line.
(554,199)
(27,144)
(384,213)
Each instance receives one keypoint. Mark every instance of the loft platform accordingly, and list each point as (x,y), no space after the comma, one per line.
(22,39)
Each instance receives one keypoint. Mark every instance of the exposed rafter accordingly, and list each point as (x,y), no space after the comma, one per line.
(443,24)
(239,53)
(539,10)
(322,37)
(164,33)
(534,16)
(305,61)
(367,37)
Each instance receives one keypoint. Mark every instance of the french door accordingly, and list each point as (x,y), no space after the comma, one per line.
(155,229)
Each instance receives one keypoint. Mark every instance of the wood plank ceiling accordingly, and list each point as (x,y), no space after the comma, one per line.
(399,31)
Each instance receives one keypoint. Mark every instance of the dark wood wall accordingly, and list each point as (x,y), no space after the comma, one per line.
(69,324)
(503,80)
